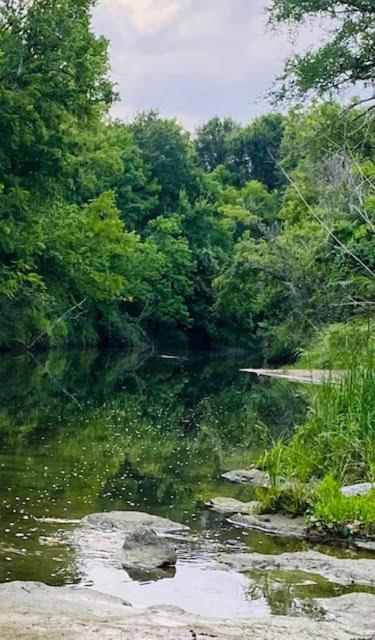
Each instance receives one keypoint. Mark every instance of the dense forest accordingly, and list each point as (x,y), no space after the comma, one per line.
(236,235)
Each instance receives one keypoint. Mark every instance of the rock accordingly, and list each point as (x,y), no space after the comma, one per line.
(230,505)
(128,520)
(345,571)
(254,476)
(274,524)
(144,550)
(364,545)
(358,489)
(353,610)
(33,611)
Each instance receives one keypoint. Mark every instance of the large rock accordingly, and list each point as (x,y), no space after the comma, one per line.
(143,550)
(128,520)
(358,489)
(253,476)
(273,524)
(33,611)
(347,571)
(231,505)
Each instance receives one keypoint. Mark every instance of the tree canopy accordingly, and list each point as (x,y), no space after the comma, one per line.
(111,232)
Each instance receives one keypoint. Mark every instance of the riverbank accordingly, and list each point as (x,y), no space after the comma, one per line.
(334,447)
(36,611)
(33,611)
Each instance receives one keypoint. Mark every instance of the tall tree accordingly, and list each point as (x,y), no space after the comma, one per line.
(110,160)
(256,150)
(54,89)
(213,142)
(167,150)
(53,82)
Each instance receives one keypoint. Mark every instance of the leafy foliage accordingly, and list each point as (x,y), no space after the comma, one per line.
(249,235)
(345,59)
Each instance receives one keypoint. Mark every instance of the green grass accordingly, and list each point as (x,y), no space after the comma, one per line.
(335,446)
(346,516)
(338,437)
(340,346)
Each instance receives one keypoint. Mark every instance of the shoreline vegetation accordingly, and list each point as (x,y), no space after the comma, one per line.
(335,447)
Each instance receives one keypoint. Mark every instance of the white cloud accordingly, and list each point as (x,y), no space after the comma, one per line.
(146,16)
(192,58)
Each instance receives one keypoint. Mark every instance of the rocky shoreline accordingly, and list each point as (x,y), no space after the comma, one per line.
(34,611)
(250,515)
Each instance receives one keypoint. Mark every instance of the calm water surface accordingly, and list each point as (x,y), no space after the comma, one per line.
(86,432)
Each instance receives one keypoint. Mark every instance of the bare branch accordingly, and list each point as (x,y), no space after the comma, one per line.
(55,323)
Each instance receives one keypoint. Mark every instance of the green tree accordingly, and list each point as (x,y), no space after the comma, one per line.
(213,142)
(256,151)
(110,160)
(53,82)
(172,286)
(344,60)
(54,90)
(168,152)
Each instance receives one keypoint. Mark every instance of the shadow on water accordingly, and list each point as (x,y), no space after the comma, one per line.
(82,432)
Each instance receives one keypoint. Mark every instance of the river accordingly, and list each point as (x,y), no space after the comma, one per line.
(88,431)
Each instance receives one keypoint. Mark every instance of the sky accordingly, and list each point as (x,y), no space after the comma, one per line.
(194,59)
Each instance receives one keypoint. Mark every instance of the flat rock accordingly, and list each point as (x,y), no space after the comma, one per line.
(34,611)
(345,571)
(231,505)
(352,609)
(358,489)
(365,545)
(143,550)
(312,376)
(253,476)
(273,524)
(128,520)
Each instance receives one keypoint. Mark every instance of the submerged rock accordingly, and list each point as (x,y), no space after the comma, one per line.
(128,520)
(274,524)
(358,489)
(34,611)
(231,505)
(342,571)
(143,550)
(253,476)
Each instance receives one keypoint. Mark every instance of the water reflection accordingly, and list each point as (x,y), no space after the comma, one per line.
(86,432)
